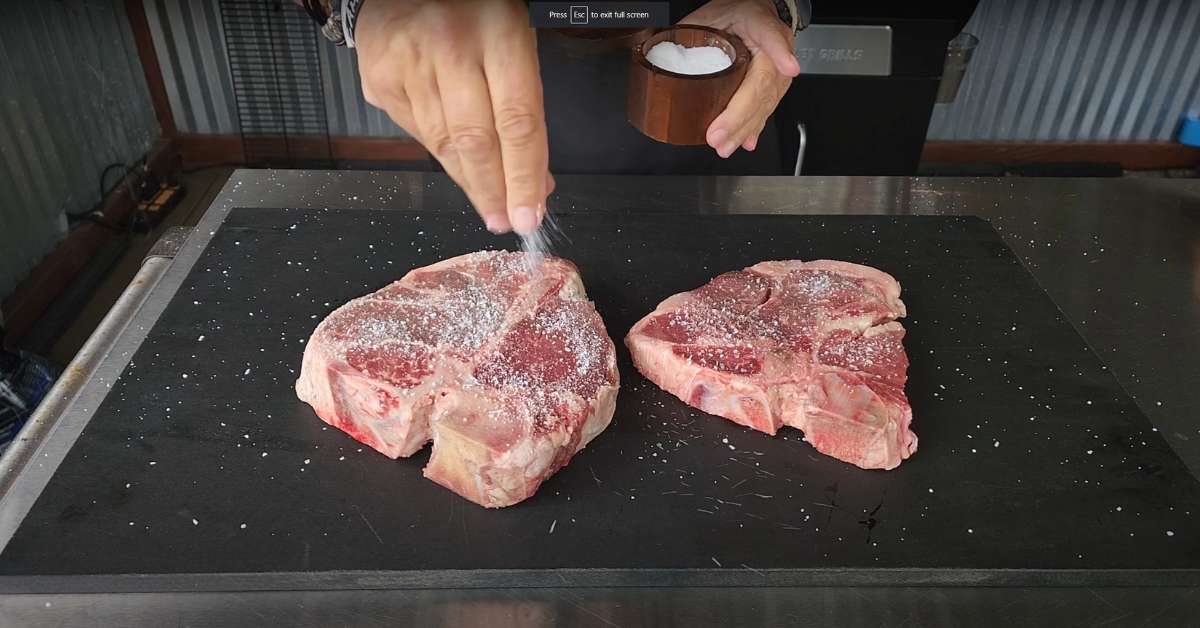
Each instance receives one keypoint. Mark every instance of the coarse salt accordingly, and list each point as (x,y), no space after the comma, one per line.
(673,57)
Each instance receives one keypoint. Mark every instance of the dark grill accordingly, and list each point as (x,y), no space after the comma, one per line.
(277,83)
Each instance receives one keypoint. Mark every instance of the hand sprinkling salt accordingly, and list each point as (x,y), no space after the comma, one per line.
(536,244)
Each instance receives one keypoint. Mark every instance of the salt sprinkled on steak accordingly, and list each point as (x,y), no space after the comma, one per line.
(812,345)
(508,373)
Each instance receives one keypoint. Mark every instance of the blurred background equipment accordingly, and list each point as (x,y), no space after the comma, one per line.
(24,380)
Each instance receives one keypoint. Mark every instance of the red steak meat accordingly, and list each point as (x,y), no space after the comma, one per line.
(508,372)
(812,345)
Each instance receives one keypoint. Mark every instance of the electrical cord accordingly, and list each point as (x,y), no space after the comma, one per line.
(94,215)
(104,189)
(103,192)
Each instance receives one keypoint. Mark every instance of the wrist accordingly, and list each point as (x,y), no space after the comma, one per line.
(337,18)
(797,14)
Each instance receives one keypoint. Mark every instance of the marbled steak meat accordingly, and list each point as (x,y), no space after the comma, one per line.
(509,373)
(814,345)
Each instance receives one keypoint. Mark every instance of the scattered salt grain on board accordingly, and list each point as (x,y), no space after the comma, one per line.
(673,57)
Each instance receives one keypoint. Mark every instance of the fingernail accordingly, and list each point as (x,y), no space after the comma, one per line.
(727,150)
(524,219)
(497,223)
(751,144)
(716,138)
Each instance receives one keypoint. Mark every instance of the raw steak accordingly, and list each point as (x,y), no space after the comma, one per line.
(509,372)
(813,345)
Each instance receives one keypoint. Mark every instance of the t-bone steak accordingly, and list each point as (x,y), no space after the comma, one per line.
(814,345)
(508,370)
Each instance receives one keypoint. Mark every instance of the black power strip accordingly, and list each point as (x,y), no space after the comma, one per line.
(155,206)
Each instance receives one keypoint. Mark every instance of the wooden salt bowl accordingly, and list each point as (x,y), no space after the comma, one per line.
(678,108)
(598,40)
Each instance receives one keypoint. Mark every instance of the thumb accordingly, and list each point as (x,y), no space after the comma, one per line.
(778,47)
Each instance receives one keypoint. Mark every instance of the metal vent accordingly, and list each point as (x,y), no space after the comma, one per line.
(275,68)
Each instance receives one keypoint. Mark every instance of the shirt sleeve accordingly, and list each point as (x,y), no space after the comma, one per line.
(349,15)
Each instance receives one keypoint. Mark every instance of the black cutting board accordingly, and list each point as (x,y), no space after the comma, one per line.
(1033,465)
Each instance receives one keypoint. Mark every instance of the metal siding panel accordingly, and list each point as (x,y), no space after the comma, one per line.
(1083,76)
(1007,41)
(74,99)
(20,199)
(1183,97)
(168,63)
(971,107)
(216,39)
(355,120)
(1065,75)
(187,119)
(1116,34)
(1082,70)
(1048,71)
(1137,95)
(1168,70)
(1010,39)
(26,115)
(194,85)
(1017,85)
(333,96)
(213,64)
(60,141)
(190,44)
(1137,54)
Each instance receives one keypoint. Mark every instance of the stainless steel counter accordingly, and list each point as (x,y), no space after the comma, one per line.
(1120,257)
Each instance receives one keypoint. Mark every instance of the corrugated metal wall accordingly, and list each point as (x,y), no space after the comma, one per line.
(1045,70)
(189,39)
(74,99)
(349,113)
(1077,70)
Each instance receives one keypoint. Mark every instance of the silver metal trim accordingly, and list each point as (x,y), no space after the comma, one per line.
(53,428)
(598,577)
(28,464)
(800,152)
(169,243)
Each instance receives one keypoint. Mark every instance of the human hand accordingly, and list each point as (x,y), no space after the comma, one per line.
(461,76)
(773,64)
